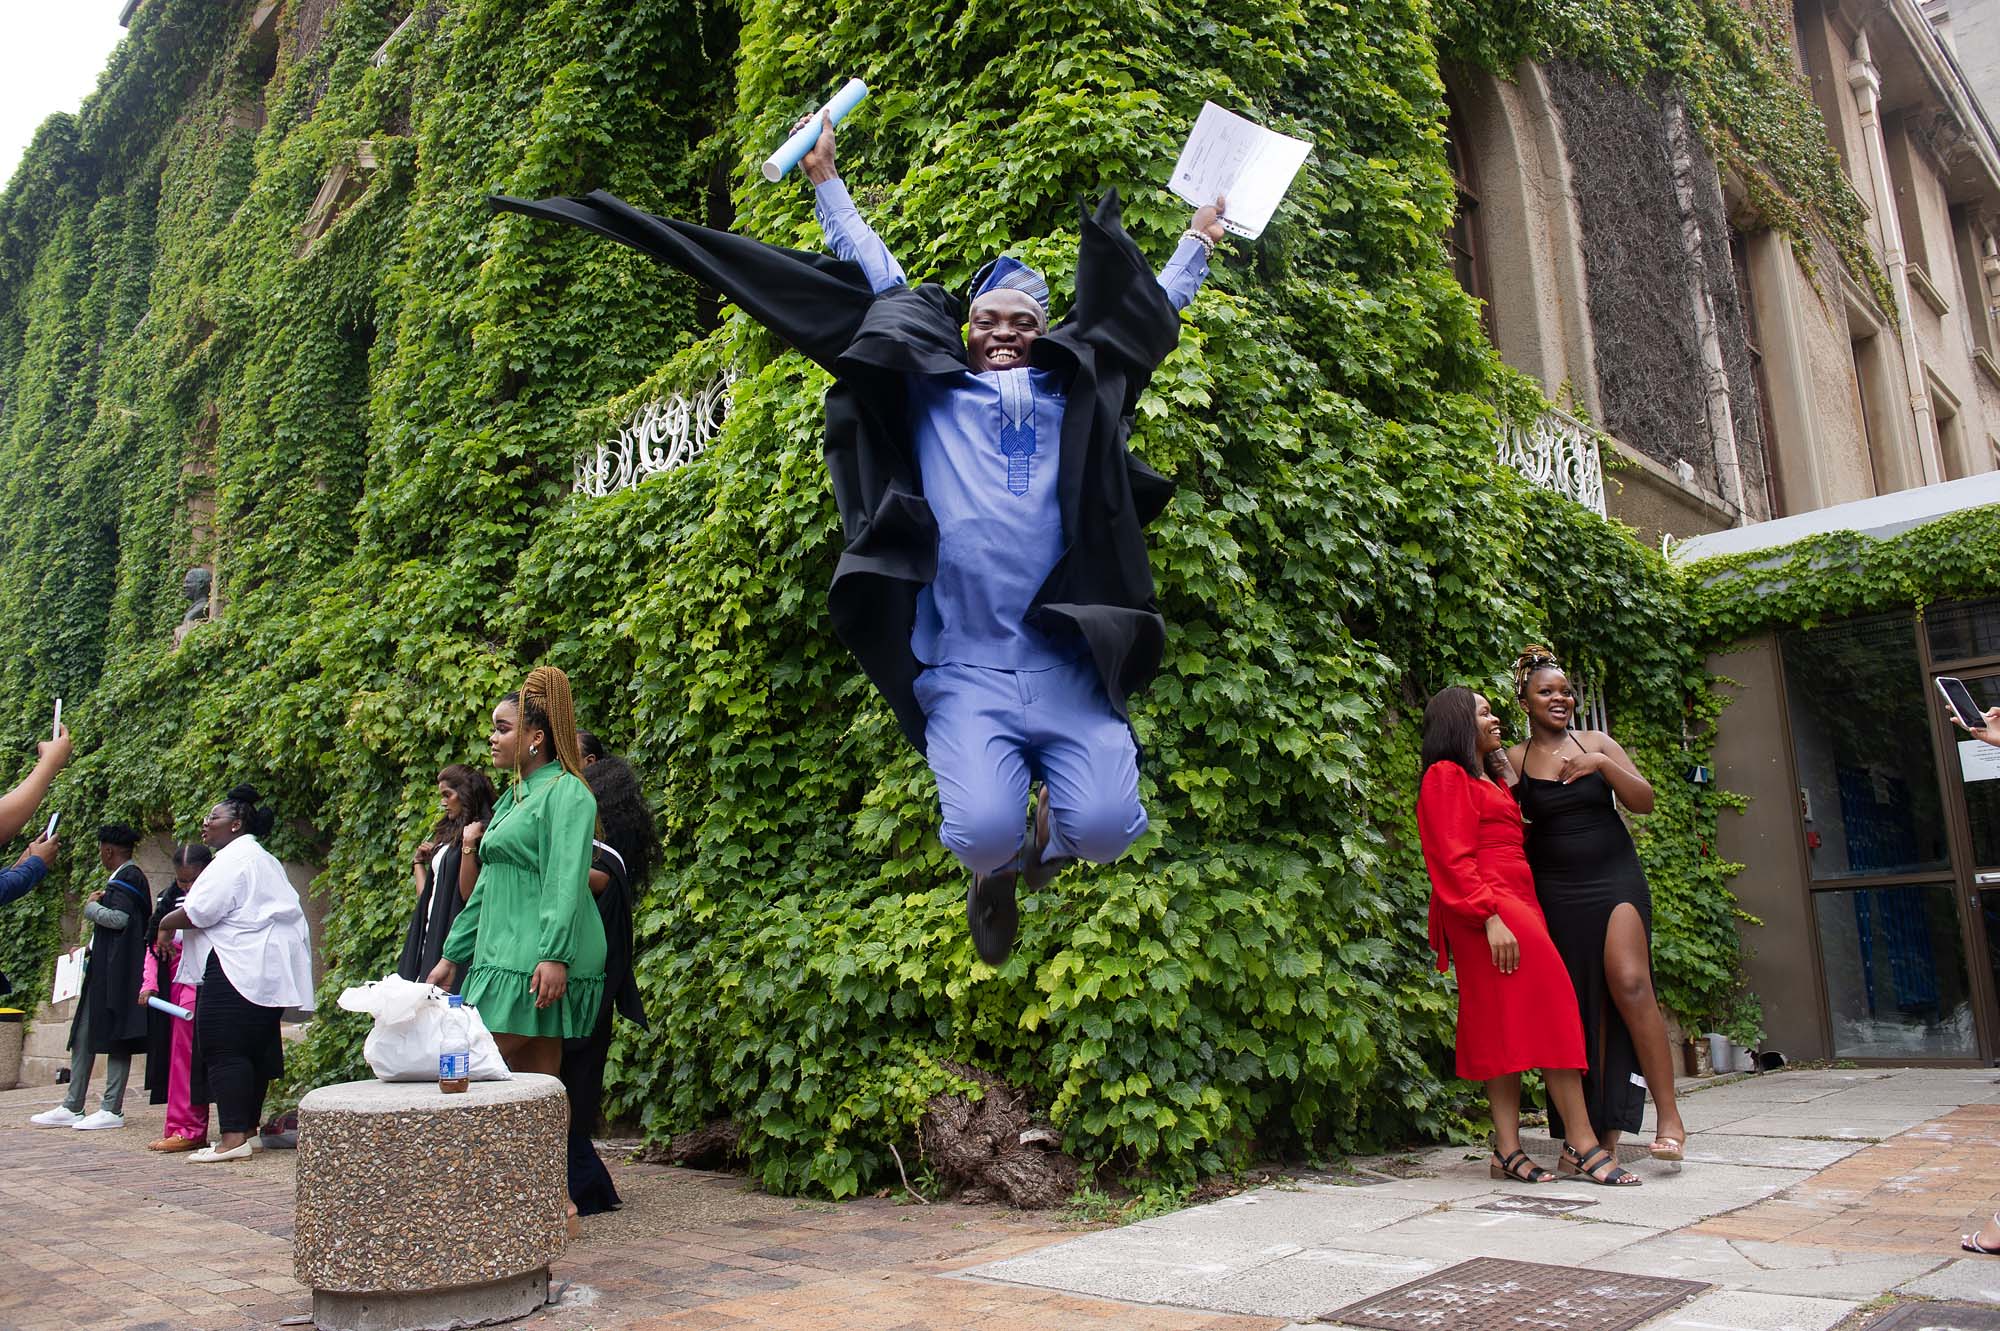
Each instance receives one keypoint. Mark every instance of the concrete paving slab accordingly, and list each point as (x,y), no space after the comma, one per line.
(1776,1152)
(1737,1310)
(1309,1283)
(1975,1278)
(1297,1217)
(1767,1268)
(1813,1123)
(1521,1238)
(1135,1263)
(1668,1200)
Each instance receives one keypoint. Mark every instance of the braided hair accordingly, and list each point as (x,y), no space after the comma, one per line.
(192,854)
(546,705)
(243,802)
(1534,659)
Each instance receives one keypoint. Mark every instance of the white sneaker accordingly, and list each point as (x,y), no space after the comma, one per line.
(59,1117)
(103,1118)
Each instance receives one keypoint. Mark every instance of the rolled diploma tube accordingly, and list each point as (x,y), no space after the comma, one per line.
(159,1004)
(797,146)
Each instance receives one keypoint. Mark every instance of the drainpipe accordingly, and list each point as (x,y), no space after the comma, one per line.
(1866,82)
(1719,411)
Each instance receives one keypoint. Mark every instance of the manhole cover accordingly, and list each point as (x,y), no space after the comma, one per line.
(1941,1317)
(1487,1292)
(1535,1205)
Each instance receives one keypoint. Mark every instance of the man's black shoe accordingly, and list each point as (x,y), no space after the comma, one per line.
(1040,872)
(991,910)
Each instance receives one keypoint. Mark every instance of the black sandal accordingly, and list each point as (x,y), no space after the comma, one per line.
(1598,1166)
(1517,1167)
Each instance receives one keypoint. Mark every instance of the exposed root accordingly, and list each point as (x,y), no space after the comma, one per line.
(992,1150)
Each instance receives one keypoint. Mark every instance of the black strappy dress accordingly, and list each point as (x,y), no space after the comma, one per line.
(1585,867)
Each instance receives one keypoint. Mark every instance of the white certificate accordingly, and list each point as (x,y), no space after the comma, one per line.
(1978,761)
(1229,155)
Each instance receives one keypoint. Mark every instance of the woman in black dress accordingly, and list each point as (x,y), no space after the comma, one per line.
(1594,894)
(623,857)
(443,876)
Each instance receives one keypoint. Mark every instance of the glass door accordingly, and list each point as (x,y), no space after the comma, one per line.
(1975,768)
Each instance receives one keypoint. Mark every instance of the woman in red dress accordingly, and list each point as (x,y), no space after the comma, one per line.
(1516,1007)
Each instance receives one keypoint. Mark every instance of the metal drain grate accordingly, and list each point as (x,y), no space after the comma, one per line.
(1941,1317)
(1535,1205)
(1487,1292)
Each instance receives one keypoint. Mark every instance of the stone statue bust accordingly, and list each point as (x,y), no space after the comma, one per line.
(195,587)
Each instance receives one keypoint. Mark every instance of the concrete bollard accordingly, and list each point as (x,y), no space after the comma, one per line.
(421,1211)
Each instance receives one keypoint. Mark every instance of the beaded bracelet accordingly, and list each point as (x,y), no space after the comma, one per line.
(1207,245)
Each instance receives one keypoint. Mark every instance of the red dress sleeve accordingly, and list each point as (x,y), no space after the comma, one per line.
(1448,829)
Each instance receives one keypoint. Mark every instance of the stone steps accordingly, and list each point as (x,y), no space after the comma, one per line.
(44,1053)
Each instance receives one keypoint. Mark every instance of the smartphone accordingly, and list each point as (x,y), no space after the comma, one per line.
(1959,699)
(50,830)
(55,731)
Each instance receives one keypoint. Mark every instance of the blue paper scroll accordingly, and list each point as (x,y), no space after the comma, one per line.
(797,146)
(171,1009)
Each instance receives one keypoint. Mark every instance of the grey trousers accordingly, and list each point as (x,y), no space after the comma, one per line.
(117,1067)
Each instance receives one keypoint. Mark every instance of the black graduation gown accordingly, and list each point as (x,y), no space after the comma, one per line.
(1119,328)
(583,1059)
(160,1026)
(439,904)
(116,969)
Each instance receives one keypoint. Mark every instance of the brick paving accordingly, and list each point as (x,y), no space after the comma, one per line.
(1914,1193)
(103,1235)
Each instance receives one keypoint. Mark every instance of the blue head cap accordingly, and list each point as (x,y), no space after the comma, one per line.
(1008,273)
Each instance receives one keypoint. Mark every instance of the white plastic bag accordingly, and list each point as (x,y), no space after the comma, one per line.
(409,1031)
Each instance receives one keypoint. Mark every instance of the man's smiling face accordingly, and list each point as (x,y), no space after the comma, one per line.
(1004,324)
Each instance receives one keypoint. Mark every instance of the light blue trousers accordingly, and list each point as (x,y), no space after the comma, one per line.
(990,733)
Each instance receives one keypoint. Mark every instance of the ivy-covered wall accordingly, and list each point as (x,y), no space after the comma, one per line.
(383,419)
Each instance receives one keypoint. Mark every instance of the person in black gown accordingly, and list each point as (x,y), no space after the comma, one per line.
(621,862)
(1599,909)
(465,796)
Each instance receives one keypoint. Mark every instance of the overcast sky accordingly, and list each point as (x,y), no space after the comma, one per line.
(51,52)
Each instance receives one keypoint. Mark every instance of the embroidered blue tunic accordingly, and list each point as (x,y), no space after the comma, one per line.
(987,449)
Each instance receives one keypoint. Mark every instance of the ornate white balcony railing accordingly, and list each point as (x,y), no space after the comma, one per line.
(659,437)
(1558,452)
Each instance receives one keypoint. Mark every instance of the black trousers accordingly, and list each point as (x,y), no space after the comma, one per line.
(237,1051)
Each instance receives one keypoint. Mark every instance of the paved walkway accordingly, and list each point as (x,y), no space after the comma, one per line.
(1806,1196)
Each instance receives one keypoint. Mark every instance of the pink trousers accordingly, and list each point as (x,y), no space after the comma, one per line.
(182,1120)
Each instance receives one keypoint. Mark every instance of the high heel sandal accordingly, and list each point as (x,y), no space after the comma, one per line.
(1596,1166)
(1517,1167)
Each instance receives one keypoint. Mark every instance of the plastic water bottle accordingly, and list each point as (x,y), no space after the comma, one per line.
(455,1048)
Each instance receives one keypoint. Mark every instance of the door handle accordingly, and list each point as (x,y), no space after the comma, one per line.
(1985,878)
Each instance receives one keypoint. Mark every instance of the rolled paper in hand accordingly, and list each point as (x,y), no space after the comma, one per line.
(159,1004)
(801,142)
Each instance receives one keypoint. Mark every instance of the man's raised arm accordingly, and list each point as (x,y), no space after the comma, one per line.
(1188,269)
(848,234)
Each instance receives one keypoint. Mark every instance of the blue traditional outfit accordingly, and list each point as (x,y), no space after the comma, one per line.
(1005,701)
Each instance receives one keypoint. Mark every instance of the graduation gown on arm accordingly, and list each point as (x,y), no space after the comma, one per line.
(117,963)
(1120,327)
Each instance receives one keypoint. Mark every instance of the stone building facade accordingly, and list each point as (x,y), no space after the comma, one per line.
(1740,375)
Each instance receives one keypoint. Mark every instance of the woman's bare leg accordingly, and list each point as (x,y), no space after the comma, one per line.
(530,1053)
(1628,974)
(1566,1094)
(1503,1101)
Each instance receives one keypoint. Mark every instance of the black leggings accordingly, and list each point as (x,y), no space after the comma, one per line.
(240,1050)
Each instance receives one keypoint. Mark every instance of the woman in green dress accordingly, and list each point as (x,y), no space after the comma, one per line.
(531,929)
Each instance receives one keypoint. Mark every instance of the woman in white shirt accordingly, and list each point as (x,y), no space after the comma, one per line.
(246,932)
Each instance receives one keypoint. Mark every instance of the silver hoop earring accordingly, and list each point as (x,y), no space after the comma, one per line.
(533,749)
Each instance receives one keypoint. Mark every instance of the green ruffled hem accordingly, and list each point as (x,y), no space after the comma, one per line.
(506,1006)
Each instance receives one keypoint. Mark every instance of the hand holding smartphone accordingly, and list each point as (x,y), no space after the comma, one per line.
(1961,702)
